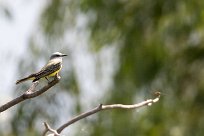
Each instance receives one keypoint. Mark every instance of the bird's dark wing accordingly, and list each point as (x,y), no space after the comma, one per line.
(47,70)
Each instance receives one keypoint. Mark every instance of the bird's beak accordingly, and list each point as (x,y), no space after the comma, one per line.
(63,55)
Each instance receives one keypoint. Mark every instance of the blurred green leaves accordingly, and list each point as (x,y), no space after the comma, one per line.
(160,46)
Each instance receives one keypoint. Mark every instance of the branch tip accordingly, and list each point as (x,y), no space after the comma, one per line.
(102,107)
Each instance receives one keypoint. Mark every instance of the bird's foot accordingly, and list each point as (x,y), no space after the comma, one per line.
(57,76)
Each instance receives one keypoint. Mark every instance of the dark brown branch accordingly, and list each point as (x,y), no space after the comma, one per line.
(102,107)
(30,93)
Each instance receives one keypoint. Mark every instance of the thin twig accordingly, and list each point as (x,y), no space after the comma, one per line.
(30,93)
(102,107)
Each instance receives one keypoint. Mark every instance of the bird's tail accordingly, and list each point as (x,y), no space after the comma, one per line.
(31,77)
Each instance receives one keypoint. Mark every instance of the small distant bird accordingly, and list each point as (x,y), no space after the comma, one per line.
(51,69)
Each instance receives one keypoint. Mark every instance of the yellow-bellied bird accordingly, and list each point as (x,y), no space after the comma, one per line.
(51,69)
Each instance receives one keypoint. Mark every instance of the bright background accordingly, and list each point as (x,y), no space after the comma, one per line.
(118,52)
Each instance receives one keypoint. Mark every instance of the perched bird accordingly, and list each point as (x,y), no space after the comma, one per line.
(51,69)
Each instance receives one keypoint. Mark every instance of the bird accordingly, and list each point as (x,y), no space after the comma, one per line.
(51,69)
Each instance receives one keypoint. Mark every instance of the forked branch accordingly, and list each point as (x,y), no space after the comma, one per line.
(102,107)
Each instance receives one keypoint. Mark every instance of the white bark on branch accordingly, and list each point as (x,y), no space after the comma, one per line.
(49,129)
(102,107)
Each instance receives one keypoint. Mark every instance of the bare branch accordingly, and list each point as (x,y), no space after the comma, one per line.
(49,129)
(102,107)
(30,93)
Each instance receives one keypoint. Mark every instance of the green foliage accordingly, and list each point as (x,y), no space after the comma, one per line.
(161,42)
(161,47)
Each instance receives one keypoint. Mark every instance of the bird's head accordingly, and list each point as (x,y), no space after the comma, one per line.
(57,55)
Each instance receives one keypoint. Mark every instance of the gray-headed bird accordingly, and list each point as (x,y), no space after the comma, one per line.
(50,70)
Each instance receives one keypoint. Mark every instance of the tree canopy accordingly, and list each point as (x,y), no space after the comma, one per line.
(159,46)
